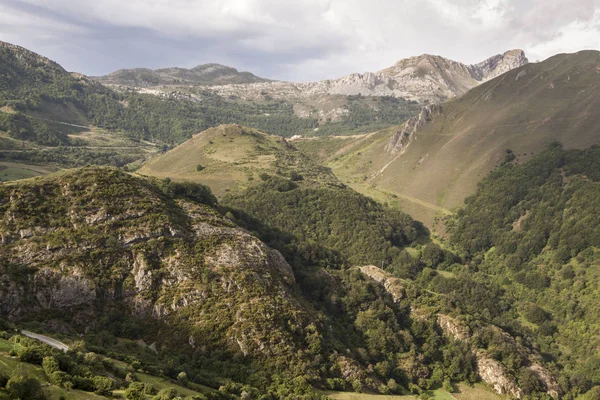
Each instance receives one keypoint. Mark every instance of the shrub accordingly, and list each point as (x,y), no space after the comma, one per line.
(135,391)
(103,385)
(50,365)
(32,355)
(22,387)
(166,394)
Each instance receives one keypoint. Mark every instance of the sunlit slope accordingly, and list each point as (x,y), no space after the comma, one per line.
(231,156)
(523,110)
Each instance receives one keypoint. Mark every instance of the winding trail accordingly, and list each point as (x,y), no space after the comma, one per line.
(48,340)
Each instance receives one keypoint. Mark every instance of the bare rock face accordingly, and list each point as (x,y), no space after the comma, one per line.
(494,374)
(404,137)
(498,65)
(452,328)
(549,380)
(392,285)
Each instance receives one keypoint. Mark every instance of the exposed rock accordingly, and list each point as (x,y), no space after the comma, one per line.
(394,286)
(452,328)
(402,138)
(494,374)
(425,78)
(549,380)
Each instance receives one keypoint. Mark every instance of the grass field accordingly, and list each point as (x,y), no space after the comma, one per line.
(9,365)
(10,171)
(5,346)
(464,392)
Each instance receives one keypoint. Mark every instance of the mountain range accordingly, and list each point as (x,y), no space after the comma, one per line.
(423,78)
(205,74)
(232,247)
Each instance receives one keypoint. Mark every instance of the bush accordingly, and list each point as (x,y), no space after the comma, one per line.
(103,385)
(3,379)
(166,394)
(33,355)
(183,378)
(135,391)
(535,314)
(50,365)
(22,387)
(60,378)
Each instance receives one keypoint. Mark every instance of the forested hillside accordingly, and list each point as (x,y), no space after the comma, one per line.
(533,232)
(101,253)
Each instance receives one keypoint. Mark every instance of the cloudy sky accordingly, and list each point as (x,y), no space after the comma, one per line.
(298,40)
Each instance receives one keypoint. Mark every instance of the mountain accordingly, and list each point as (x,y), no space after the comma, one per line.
(533,229)
(46,114)
(425,78)
(110,258)
(435,160)
(205,74)
(232,156)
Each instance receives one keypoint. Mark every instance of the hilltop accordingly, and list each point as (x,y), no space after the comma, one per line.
(434,161)
(232,156)
(205,74)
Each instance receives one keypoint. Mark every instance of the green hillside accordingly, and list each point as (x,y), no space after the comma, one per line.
(219,304)
(523,110)
(41,104)
(232,156)
(533,229)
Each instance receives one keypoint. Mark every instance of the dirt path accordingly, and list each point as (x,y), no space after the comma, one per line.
(48,340)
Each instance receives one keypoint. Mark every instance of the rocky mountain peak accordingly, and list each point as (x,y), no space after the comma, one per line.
(498,64)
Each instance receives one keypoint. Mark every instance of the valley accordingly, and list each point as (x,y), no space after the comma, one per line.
(205,233)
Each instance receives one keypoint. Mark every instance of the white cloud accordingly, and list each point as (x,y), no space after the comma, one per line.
(313,39)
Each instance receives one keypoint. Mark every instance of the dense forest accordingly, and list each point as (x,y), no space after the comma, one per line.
(531,234)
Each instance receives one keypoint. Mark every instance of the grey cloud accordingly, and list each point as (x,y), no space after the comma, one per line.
(284,39)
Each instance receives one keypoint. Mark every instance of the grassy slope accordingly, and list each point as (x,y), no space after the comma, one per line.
(356,161)
(464,392)
(524,110)
(10,171)
(232,156)
(10,364)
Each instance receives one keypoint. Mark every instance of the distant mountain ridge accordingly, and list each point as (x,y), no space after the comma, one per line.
(204,74)
(435,160)
(424,78)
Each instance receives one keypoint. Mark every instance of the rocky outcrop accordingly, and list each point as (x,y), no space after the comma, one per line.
(498,65)
(453,328)
(394,286)
(101,242)
(403,138)
(547,378)
(491,371)
(494,374)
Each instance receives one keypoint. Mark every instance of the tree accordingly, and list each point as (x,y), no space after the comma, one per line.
(22,387)
(166,394)
(103,385)
(135,391)
(432,255)
(50,365)
(182,378)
